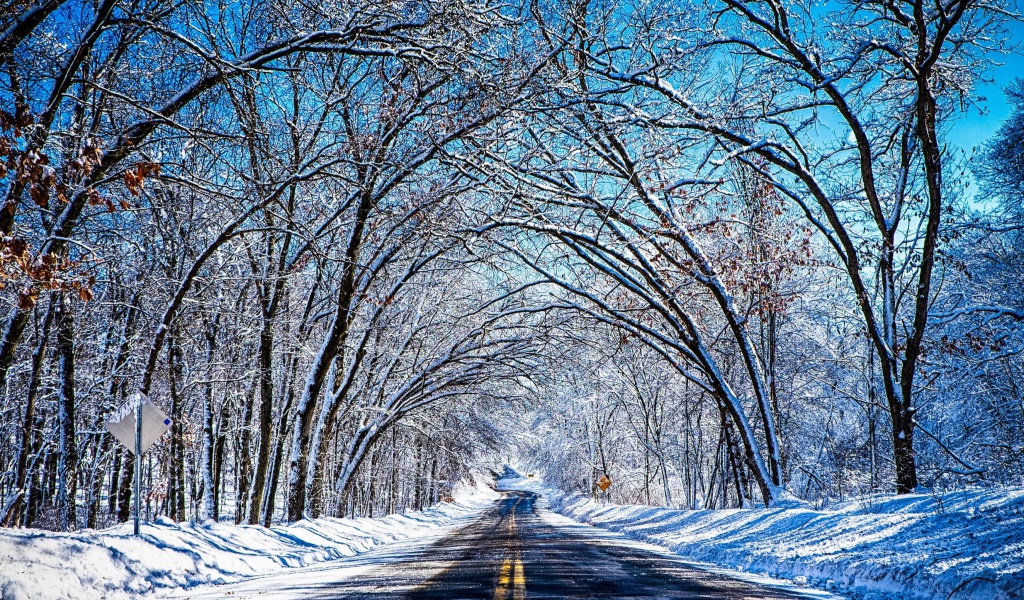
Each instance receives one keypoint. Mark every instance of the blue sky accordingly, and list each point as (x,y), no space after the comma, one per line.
(979,123)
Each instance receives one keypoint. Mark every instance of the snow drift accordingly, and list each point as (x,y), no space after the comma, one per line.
(113,564)
(961,545)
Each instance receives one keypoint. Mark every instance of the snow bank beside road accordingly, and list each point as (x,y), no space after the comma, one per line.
(961,546)
(113,564)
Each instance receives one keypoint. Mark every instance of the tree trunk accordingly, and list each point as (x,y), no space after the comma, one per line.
(120,487)
(329,350)
(393,496)
(208,510)
(115,482)
(218,456)
(361,445)
(98,471)
(124,495)
(67,485)
(417,501)
(734,462)
(282,433)
(243,461)
(266,418)
(9,342)
(15,512)
(35,499)
(903,450)
(176,472)
(322,440)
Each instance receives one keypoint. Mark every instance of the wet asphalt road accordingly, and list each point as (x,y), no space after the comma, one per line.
(512,553)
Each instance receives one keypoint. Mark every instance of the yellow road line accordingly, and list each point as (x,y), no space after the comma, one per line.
(511,573)
(519,580)
(501,591)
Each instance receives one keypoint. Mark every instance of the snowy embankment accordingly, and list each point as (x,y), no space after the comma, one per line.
(959,546)
(113,564)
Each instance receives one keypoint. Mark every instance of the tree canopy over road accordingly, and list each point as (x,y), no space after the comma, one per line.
(719,251)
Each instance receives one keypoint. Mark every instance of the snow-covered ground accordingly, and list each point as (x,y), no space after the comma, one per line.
(963,545)
(113,564)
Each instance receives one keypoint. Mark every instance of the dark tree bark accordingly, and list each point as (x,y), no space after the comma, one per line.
(176,472)
(208,456)
(282,435)
(218,456)
(124,494)
(67,485)
(15,512)
(37,481)
(97,475)
(9,342)
(113,489)
(243,459)
(266,416)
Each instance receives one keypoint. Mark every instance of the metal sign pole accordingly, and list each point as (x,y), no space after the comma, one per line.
(138,463)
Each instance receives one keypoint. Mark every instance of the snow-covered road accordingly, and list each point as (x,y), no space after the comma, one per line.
(514,550)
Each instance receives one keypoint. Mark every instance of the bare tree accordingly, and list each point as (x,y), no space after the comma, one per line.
(888,74)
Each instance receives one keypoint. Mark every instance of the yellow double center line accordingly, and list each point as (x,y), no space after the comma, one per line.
(511,576)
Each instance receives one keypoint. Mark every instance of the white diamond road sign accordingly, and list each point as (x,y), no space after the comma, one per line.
(122,423)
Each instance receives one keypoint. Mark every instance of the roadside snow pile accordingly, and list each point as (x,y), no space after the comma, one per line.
(113,564)
(961,545)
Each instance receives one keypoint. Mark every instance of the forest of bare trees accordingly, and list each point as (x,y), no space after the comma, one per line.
(724,252)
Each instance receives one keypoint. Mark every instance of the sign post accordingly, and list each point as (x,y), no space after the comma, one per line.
(138,463)
(138,425)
